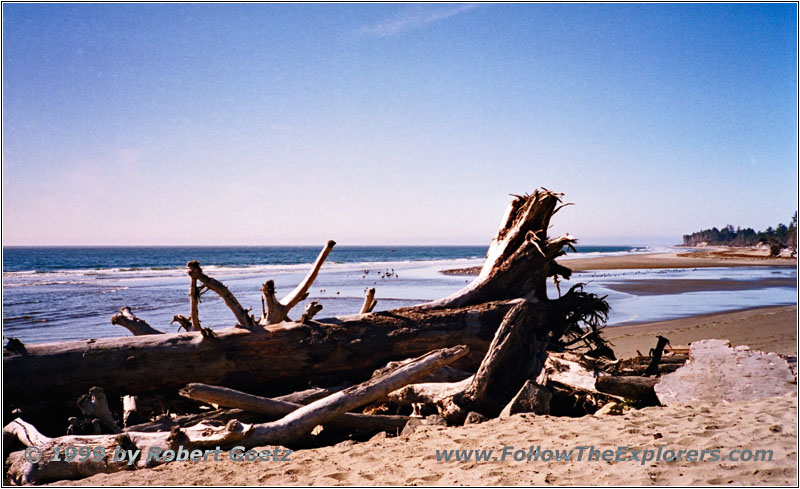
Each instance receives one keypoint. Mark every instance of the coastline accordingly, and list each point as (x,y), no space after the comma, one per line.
(712,258)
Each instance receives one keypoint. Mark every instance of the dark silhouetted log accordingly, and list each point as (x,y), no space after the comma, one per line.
(639,389)
(95,405)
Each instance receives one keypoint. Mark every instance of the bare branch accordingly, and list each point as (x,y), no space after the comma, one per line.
(242,316)
(278,310)
(128,320)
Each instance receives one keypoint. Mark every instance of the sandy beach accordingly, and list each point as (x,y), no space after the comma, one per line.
(769,423)
(411,460)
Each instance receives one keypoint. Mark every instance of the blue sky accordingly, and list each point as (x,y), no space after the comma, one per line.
(393,123)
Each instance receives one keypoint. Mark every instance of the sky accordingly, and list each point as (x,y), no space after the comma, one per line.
(279,124)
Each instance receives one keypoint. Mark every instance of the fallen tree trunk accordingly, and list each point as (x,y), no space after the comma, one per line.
(275,358)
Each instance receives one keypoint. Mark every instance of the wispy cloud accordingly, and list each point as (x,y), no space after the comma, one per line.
(414,18)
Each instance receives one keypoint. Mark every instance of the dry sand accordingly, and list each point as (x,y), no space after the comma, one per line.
(410,460)
(766,328)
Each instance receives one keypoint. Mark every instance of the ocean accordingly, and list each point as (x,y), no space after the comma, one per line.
(70,293)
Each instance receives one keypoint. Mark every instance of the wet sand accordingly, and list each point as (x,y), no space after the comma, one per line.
(679,286)
(712,258)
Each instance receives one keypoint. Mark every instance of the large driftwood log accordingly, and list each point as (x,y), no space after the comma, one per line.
(515,355)
(520,261)
(276,358)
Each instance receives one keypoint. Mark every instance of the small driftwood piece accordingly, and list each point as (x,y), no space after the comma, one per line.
(128,320)
(434,393)
(194,300)
(369,301)
(95,405)
(243,316)
(277,311)
(639,389)
(130,411)
(312,309)
(183,322)
(656,354)
(223,396)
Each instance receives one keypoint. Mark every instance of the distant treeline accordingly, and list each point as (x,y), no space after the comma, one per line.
(782,235)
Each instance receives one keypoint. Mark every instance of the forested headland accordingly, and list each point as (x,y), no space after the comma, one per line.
(781,236)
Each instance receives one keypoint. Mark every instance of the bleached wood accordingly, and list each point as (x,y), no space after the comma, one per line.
(223,396)
(277,311)
(242,315)
(128,320)
(369,301)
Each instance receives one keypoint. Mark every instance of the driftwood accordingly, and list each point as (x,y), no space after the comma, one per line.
(312,309)
(656,354)
(243,316)
(638,389)
(128,320)
(717,372)
(518,266)
(95,405)
(293,426)
(515,356)
(22,471)
(369,301)
(303,420)
(130,411)
(278,310)
(223,396)
(499,327)
(222,416)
